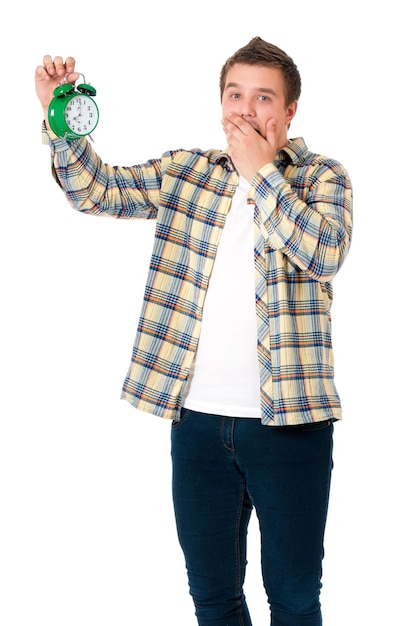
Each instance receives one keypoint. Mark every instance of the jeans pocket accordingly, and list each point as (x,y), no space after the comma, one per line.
(182,418)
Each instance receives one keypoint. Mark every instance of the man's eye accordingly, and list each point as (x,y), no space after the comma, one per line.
(264,98)
(234,96)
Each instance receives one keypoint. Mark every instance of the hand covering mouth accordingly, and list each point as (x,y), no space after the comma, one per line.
(259,132)
(256,129)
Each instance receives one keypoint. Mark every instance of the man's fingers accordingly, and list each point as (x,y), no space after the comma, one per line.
(41,73)
(57,66)
(70,64)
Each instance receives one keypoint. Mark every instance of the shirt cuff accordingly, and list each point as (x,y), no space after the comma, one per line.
(50,139)
(267,180)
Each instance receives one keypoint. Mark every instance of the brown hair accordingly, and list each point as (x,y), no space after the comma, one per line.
(259,52)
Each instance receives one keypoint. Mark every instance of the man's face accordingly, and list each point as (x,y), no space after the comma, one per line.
(257,94)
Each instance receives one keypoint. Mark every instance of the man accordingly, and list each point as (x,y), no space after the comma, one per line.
(234,339)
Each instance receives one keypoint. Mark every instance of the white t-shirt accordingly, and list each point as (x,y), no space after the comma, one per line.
(224,378)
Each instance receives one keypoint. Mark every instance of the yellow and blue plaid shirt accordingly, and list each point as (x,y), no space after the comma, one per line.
(301,234)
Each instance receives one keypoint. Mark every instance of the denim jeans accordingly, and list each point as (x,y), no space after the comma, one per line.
(223,467)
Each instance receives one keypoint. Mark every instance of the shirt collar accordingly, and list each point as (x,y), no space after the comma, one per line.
(223,158)
(295,150)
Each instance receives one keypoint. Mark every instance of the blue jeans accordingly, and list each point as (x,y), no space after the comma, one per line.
(222,468)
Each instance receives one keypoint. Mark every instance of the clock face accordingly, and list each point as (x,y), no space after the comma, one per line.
(81,114)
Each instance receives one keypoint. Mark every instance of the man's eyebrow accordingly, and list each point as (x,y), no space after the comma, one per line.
(259,89)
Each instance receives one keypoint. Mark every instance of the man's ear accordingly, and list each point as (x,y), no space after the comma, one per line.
(291,111)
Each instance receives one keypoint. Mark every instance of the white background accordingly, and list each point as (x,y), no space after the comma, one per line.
(87,535)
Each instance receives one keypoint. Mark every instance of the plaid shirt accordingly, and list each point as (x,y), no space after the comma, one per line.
(302,231)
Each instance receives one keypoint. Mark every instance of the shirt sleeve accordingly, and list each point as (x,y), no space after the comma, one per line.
(94,187)
(312,224)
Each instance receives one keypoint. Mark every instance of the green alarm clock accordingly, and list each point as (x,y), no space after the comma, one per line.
(72,112)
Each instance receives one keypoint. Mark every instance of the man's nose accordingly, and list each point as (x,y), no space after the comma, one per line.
(248,112)
(247,109)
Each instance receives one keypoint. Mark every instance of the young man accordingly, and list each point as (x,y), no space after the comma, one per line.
(234,339)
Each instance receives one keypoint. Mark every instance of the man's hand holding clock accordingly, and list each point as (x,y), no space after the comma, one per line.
(52,74)
(70,112)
